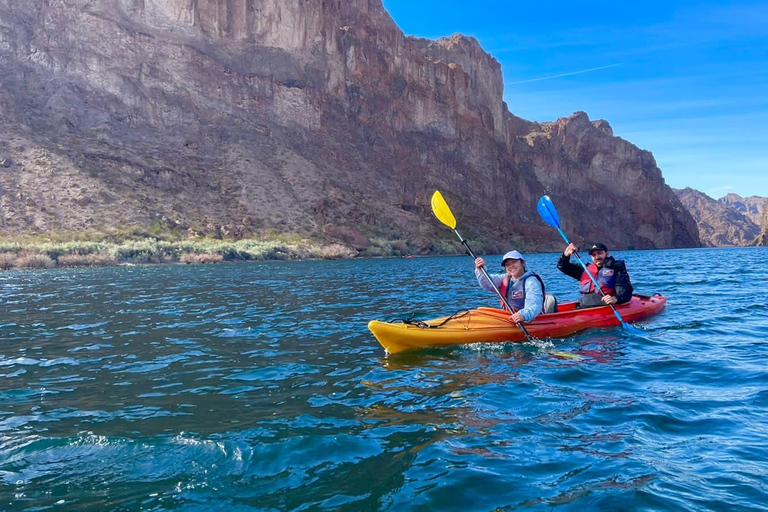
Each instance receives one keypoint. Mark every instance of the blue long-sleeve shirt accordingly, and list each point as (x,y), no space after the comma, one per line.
(534,295)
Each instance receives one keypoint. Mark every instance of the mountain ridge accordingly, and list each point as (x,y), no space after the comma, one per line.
(725,221)
(320,119)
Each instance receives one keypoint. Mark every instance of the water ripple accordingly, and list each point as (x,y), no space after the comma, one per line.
(257,387)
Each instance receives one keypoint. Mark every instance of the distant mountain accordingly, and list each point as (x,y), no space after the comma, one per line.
(720,222)
(763,238)
(751,206)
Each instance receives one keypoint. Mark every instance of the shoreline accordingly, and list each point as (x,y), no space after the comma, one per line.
(45,254)
(153,251)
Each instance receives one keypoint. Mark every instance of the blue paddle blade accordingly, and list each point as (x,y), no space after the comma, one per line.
(632,329)
(627,326)
(548,212)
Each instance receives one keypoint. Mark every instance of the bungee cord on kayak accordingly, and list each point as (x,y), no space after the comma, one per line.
(425,325)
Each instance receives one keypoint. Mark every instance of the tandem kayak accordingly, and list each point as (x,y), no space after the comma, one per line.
(493,325)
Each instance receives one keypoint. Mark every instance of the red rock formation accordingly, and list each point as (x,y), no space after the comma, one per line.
(751,206)
(762,238)
(720,224)
(301,117)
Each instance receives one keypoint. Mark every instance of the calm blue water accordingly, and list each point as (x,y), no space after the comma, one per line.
(258,387)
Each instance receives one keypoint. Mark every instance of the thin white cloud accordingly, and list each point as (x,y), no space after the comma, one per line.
(563,74)
(713,192)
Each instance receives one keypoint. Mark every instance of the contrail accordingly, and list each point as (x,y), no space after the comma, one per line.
(564,74)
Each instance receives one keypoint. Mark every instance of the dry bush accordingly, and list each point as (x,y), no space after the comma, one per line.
(100,259)
(188,257)
(7,260)
(34,260)
(209,258)
(337,251)
(73,260)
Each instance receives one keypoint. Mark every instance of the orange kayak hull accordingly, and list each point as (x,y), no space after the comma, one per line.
(485,325)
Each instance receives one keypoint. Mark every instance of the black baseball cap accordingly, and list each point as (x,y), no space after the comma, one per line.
(598,247)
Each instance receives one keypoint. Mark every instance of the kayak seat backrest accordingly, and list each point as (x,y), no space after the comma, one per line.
(550,304)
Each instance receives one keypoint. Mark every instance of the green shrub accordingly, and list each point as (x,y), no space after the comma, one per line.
(447,247)
(13,247)
(152,250)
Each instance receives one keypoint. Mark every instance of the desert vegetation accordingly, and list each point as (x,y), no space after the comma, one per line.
(88,253)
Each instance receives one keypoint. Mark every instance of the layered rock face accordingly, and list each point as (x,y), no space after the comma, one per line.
(720,223)
(231,118)
(751,206)
(617,193)
(762,239)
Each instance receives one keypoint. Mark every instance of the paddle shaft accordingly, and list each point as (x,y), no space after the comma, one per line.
(597,285)
(495,288)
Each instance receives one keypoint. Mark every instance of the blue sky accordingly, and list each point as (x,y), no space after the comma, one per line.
(687,81)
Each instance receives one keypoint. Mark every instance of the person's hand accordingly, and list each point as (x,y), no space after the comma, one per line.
(609,299)
(517,318)
(479,263)
(570,250)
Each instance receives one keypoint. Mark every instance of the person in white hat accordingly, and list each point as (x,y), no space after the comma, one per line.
(524,295)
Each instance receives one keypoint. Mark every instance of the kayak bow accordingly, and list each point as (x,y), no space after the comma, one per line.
(493,325)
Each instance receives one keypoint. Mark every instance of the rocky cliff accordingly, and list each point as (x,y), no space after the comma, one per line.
(719,222)
(317,118)
(752,206)
(762,239)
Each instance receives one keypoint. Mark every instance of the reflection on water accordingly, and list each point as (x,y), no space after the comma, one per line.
(257,386)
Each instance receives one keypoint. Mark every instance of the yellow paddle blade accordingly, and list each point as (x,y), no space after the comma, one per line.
(566,355)
(441,210)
